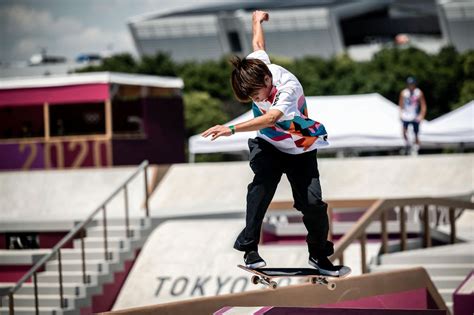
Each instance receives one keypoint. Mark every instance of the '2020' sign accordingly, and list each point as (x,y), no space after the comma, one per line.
(56,154)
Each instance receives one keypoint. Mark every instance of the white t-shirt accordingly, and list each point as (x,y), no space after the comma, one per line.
(411,104)
(294,132)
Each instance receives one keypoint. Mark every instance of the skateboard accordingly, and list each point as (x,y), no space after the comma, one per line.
(265,276)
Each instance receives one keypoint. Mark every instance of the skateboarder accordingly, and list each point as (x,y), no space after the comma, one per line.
(412,111)
(286,142)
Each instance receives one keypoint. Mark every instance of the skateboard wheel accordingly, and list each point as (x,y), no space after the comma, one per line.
(314,280)
(273,285)
(331,286)
(255,279)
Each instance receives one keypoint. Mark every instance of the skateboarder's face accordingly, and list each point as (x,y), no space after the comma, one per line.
(263,93)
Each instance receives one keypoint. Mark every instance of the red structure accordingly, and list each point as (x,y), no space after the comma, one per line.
(90,120)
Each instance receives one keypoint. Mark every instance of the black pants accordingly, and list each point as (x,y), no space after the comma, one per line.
(268,165)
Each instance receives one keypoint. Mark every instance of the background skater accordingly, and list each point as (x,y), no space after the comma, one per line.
(412,111)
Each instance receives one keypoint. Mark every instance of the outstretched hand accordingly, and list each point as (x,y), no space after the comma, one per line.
(216,132)
(260,16)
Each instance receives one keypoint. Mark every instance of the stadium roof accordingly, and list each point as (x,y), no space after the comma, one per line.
(258,4)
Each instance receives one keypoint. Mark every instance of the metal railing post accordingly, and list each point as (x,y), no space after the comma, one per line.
(383,227)
(35,282)
(331,217)
(426,227)
(11,304)
(341,259)
(363,253)
(60,269)
(104,227)
(146,191)
(127,222)
(452,224)
(83,258)
(403,229)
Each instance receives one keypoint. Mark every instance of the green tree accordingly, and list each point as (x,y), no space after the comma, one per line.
(159,64)
(466,95)
(201,111)
(210,76)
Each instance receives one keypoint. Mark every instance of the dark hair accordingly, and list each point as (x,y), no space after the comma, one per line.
(248,77)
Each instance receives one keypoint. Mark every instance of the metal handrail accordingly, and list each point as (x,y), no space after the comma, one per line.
(80,228)
(378,211)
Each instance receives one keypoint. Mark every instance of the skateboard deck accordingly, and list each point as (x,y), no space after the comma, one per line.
(265,276)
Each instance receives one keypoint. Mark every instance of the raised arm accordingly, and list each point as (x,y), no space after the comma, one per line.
(258,39)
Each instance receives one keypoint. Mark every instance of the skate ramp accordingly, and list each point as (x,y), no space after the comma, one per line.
(220,188)
(194,258)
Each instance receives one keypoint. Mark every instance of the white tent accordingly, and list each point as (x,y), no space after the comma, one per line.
(367,121)
(456,127)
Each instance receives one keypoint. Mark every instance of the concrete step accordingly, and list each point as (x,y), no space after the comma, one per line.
(74,277)
(75,289)
(76,265)
(447,282)
(99,265)
(42,311)
(21,256)
(98,242)
(433,270)
(447,294)
(339,228)
(451,249)
(427,258)
(450,306)
(49,300)
(142,222)
(95,253)
(117,243)
(115,231)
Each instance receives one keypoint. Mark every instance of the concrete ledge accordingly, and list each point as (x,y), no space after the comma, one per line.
(339,228)
(320,311)
(21,257)
(36,226)
(307,295)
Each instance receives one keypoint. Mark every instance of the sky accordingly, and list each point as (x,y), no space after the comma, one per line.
(70,27)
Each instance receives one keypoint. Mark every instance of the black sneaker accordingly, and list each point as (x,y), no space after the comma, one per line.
(253,260)
(325,266)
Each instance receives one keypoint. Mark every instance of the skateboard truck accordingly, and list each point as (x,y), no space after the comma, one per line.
(265,281)
(265,276)
(273,284)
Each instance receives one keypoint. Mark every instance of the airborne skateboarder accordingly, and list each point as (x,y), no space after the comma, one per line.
(286,142)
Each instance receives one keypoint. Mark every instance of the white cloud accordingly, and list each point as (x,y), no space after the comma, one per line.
(21,20)
(30,29)
(27,45)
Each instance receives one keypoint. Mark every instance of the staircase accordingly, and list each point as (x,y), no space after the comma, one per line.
(447,265)
(99,271)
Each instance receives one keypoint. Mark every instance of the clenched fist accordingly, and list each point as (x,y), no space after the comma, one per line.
(260,16)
